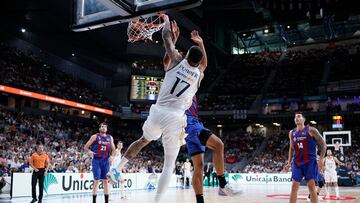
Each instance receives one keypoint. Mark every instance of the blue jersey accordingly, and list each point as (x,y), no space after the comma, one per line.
(101,146)
(193,110)
(304,145)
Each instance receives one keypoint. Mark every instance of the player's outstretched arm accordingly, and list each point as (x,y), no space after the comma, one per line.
(88,144)
(47,164)
(317,136)
(31,163)
(174,55)
(199,41)
(291,152)
(113,148)
(175,36)
(338,162)
(113,151)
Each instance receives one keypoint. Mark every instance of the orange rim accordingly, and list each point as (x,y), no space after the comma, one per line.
(137,21)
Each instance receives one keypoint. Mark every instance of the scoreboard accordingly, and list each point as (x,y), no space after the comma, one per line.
(337,122)
(145,88)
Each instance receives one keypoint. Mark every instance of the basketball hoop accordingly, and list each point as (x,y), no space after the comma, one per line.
(143,28)
(337,146)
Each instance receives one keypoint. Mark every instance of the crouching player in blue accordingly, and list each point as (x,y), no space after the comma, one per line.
(302,157)
(99,147)
(197,139)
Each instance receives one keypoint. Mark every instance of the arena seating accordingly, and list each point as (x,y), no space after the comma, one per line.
(26,72)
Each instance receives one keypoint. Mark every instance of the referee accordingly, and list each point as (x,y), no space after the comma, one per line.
(38,161)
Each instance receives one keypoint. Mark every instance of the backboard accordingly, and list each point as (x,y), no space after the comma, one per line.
(92,14)
(341,137)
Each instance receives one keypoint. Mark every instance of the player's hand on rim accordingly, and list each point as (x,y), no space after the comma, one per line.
(164,17)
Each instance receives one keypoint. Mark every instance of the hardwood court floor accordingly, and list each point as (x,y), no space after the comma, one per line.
(250,193)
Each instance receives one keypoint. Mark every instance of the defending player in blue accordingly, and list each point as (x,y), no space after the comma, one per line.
(99,147)
(302,157)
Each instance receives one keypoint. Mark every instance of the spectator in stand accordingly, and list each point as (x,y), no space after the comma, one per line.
(25,72)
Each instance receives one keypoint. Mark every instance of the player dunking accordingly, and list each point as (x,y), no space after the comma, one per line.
(199,137)
(101,145)
(167,116)
(302,157)
(115,160)
(331,174)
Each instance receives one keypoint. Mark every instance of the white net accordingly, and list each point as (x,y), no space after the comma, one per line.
(143,28)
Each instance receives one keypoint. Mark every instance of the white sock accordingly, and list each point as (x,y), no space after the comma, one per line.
(337,191)
(122,163)
(327,191)
(122,189)
(165,177)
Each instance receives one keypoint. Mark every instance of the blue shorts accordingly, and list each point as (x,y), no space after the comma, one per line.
(320,178)
(100,167)
(309,171)
(197,136)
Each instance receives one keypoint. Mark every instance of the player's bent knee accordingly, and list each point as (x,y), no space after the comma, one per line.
(220,144)
(215,143)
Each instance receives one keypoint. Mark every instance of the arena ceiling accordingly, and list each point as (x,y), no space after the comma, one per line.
(50,21)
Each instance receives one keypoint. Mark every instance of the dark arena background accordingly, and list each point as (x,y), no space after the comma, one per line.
(68,65)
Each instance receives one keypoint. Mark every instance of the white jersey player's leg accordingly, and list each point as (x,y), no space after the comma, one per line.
(165,177)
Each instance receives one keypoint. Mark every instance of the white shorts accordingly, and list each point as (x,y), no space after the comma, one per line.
(331,177)
(116,161)
(187,174)
(168,122)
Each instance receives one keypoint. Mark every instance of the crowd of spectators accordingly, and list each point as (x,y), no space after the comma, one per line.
(352,154)
(299,73)
(273,158)
(225,102)
(239,145)
(26,72)
(63,140)
(345,63)
(247,75)
(237,87)
(140,107)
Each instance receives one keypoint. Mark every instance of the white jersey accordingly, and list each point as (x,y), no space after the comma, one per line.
(187,166)
(330,164)
(179,86)
(117,158)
